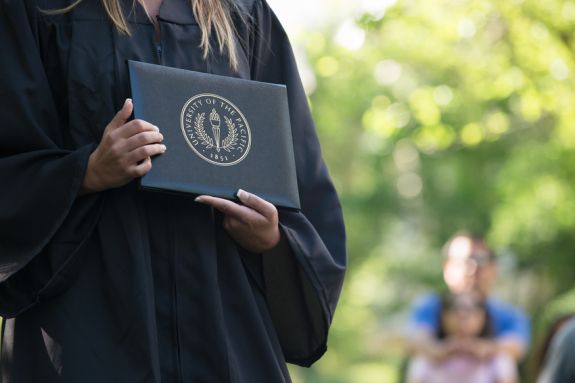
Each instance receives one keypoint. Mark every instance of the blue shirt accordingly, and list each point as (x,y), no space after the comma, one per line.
(506,320)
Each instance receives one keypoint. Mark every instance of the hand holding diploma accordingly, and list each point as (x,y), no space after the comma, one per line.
(124,152)
(253,225)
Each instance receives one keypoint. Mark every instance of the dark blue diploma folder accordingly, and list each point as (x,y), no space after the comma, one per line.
(221,134)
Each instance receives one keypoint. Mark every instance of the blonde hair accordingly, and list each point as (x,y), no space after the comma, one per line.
(211,15)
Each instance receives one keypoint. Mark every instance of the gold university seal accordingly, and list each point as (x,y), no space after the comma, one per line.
(215,129)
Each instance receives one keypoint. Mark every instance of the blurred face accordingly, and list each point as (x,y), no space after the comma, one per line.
(464,322)
(467,268)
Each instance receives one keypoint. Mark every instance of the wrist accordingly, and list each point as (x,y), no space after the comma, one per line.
(273,242)
(91,182)
(276,237)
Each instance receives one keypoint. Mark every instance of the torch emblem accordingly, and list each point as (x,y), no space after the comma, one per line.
(230,138)
(215,121)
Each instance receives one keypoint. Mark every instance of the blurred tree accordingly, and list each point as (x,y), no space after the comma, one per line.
(437,116)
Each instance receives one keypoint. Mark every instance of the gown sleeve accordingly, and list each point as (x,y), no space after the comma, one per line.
(42,221)
(301,295)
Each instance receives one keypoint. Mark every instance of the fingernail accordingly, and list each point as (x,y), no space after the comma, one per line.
(156,128)
(164,148)
(127,101)
(199,199)
(241,194)
(161,137)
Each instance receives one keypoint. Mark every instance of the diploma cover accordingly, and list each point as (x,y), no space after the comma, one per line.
(221,134)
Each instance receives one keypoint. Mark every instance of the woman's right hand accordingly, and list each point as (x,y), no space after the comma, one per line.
(124,153)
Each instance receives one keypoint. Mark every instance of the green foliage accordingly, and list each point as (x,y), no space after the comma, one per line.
(453,114)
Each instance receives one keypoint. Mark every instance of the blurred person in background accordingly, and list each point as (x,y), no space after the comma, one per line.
(463,321)
(558,353)
(469,266)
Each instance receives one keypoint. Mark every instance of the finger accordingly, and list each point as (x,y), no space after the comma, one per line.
(258,204)
(143,152)
(229,208)
(231,224)
(123,114)
(142,168)
(134,127)
(141,139)
(234,229)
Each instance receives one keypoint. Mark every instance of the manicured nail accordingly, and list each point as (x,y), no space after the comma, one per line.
(241,194)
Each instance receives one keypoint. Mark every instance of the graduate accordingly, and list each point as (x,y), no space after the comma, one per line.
(103,282)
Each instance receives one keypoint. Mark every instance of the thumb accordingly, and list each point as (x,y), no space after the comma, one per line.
(123,114)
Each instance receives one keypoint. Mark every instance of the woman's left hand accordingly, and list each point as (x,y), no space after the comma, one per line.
(253,225)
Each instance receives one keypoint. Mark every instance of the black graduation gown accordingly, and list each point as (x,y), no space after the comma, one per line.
(128,286)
